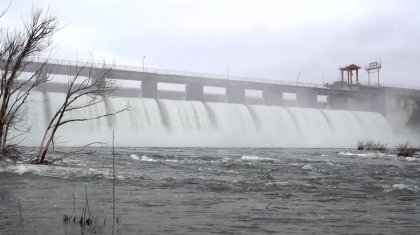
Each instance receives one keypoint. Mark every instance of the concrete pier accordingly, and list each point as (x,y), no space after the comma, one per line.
(307,99)
(194,91)
(42,76)
(338,101)
(149,89)
(235,94)
(273,97)
(378,103)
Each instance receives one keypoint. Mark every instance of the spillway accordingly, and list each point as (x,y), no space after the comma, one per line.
(169,123)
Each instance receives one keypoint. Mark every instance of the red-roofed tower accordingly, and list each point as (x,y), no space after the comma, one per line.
(349,69)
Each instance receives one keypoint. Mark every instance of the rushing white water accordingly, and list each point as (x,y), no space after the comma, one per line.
(187,123)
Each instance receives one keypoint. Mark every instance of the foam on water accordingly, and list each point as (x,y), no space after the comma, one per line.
(257,158)
(134,157)
(169,123)
(21,169)
(348,153)
(401,187)
(143,158)
(380,155)
(307,167)
(147,159)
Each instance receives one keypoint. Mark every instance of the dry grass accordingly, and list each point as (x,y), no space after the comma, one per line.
(405,150)
(371,145)
(88,222)
(361,145)
(11,154)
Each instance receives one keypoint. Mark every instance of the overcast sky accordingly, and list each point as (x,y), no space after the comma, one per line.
(263,39)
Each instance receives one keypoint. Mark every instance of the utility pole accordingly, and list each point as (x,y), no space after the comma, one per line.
(227,72)
(297,79)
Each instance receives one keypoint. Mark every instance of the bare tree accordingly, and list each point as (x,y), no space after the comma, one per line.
(17,50)
(88,81)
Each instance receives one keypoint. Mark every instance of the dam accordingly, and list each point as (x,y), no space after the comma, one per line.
(341,94)
(194,119)
(172,123)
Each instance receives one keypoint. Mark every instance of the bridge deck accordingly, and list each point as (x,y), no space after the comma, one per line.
(130,73)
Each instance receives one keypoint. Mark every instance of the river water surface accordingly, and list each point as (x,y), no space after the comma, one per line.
(218,191)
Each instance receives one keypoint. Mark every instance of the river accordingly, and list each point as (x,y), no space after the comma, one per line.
(217,191)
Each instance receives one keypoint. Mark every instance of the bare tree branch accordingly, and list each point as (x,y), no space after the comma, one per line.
(95,85)
(82,151)
(5,10)
(17,47)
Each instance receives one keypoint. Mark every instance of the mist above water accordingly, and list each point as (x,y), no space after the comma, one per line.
(169,123)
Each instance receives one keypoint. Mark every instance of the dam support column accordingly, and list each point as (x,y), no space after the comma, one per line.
(306,98)
(416,104)
(273,97)
(96,73)
(378,103)
(42,76)
(194,91)
(339,101)
(149,89)
(235,94)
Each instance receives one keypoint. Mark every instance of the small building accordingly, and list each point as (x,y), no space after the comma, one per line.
(349,69)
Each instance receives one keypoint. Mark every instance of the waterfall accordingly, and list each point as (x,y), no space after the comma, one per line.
(169,123)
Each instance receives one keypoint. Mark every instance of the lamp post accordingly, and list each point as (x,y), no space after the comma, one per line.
(297,79)
(227,72)
(143,63)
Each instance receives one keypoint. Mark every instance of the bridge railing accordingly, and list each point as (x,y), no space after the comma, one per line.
(375,84)
(206,75)
(390,85)
(179,73)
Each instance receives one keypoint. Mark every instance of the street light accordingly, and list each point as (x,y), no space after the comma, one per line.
(297,79)
(143,63)
(228,72)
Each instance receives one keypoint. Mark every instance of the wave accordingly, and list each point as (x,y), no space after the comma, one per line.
(143,158)
(257,158)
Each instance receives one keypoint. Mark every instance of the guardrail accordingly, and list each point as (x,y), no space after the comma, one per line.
(179,73)
(390,85)
(375,84)
(207,75)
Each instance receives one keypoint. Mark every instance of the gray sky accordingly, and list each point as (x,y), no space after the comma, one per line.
(263,39)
